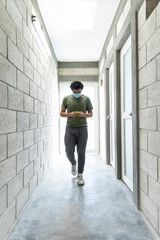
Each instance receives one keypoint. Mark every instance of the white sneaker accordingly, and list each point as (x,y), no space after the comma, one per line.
(73,169)
(80,179)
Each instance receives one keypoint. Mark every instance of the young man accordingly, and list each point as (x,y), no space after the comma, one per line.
(76,108)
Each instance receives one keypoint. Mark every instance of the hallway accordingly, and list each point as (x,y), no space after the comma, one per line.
(100,210)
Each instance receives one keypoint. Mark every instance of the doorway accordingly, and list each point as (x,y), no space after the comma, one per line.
(90,90)
(126,114)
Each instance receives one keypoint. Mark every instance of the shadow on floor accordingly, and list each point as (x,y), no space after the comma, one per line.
(100,210)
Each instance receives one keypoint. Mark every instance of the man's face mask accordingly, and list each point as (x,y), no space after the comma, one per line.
(76,95)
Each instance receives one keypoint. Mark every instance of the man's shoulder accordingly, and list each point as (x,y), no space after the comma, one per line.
(85,97)
(68,96)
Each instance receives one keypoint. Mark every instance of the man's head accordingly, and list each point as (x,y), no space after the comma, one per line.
(76,85)
(76,88)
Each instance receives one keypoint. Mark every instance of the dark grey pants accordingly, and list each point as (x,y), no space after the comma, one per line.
(76,136)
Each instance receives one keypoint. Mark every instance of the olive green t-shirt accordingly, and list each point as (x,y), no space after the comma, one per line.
(73,104)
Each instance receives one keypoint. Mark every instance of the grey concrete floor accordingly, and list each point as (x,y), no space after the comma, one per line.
(100,210)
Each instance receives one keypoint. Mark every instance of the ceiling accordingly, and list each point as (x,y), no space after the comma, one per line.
(78,28)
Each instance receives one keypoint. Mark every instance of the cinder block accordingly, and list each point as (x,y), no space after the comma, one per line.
(154,191)
(43,133)
(148,163)
(14,55)
(3,95)
(4,2)
(142,60)
(153,45)
(47,143)
(36,164)
(7,220)
(28,173)
(43,108)
(22,200)
(40,147)
(28,4)
(8,72)
(3,147)
(148,119)
(22,160)
(7,23)
(159,221)
(45,167)
(153,143)
(43,158)
(15,143)
(22,121)
(33,184)
(43,86)
(33,121)
(40,94)
(37,78)
(8,170)
(147,74)
(22,8)
(46,121)
(28,103)
(40,69)
(3,199)
(143,140)
(158,67)
(33,152)
(154,94)
(7,121)
(14,187)
(14,13)
(37,106)
(28,138)
(149,209)
(48,111)
(3,43)
(28,69)
(159,119)
(142,15)
(40,121)
(159,169)
(158,18)
(143,181)
(36,48)
(33,59)
(23,83)
(147,30)
(22,44)
(37,135)
(15,99)
(33,89)
(27,34)
(40,175)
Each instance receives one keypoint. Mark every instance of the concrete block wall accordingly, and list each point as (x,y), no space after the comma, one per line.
(149,114)
(28,78)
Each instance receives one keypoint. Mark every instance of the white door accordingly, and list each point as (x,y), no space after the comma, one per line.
(90,90)
(111,115)
(126,114)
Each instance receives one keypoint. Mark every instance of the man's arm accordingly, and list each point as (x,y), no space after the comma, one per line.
(64,114)
(86,115)
(72,114)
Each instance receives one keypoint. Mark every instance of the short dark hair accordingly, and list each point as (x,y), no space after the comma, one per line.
(76,85)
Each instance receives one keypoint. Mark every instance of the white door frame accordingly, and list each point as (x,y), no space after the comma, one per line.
(111,116)
(125,115)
